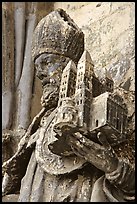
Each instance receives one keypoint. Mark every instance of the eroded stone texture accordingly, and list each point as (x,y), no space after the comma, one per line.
(70,177)
(10,198)
(109,29)
(7,64)
(18,81)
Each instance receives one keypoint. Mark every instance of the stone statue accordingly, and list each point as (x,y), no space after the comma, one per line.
(64,156)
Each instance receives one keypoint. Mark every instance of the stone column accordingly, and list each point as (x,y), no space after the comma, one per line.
(7,64)
(21,91)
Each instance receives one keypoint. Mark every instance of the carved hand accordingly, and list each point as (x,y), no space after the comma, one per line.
(101,156)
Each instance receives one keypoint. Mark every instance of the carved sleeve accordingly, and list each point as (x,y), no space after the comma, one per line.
(123,178)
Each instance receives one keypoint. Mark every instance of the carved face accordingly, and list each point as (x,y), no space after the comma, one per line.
(50,66)
(49,70)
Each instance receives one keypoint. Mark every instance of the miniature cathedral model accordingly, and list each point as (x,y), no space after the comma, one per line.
(67,114)
(83,92)
(97,107)
(68,82)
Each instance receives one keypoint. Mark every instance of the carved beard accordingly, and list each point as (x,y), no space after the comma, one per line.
(50,95)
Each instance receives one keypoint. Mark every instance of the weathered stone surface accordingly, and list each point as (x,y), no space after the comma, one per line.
(109,37)
(128,81)
(110,42)
(58,28)
(19,19)
(14,45)
(10,198)
(18,81)
(109,29)
(24,90)
(7,64)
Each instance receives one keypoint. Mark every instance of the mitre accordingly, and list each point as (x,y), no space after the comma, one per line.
(57,33)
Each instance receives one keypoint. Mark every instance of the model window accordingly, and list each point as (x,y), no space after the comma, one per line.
(96,123)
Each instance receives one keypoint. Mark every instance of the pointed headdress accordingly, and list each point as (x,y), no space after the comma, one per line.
(57,33)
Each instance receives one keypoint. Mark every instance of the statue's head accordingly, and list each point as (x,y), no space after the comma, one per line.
(56,40)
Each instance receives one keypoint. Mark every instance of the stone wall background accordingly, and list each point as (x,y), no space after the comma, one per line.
(109,29)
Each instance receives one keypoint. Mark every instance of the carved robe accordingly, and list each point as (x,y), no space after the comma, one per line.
(52,178)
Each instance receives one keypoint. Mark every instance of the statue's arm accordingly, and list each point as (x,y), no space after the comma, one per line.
(118,172)
(123,177)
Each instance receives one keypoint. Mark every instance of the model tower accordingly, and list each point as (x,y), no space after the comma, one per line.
(68,82)
(83,93)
